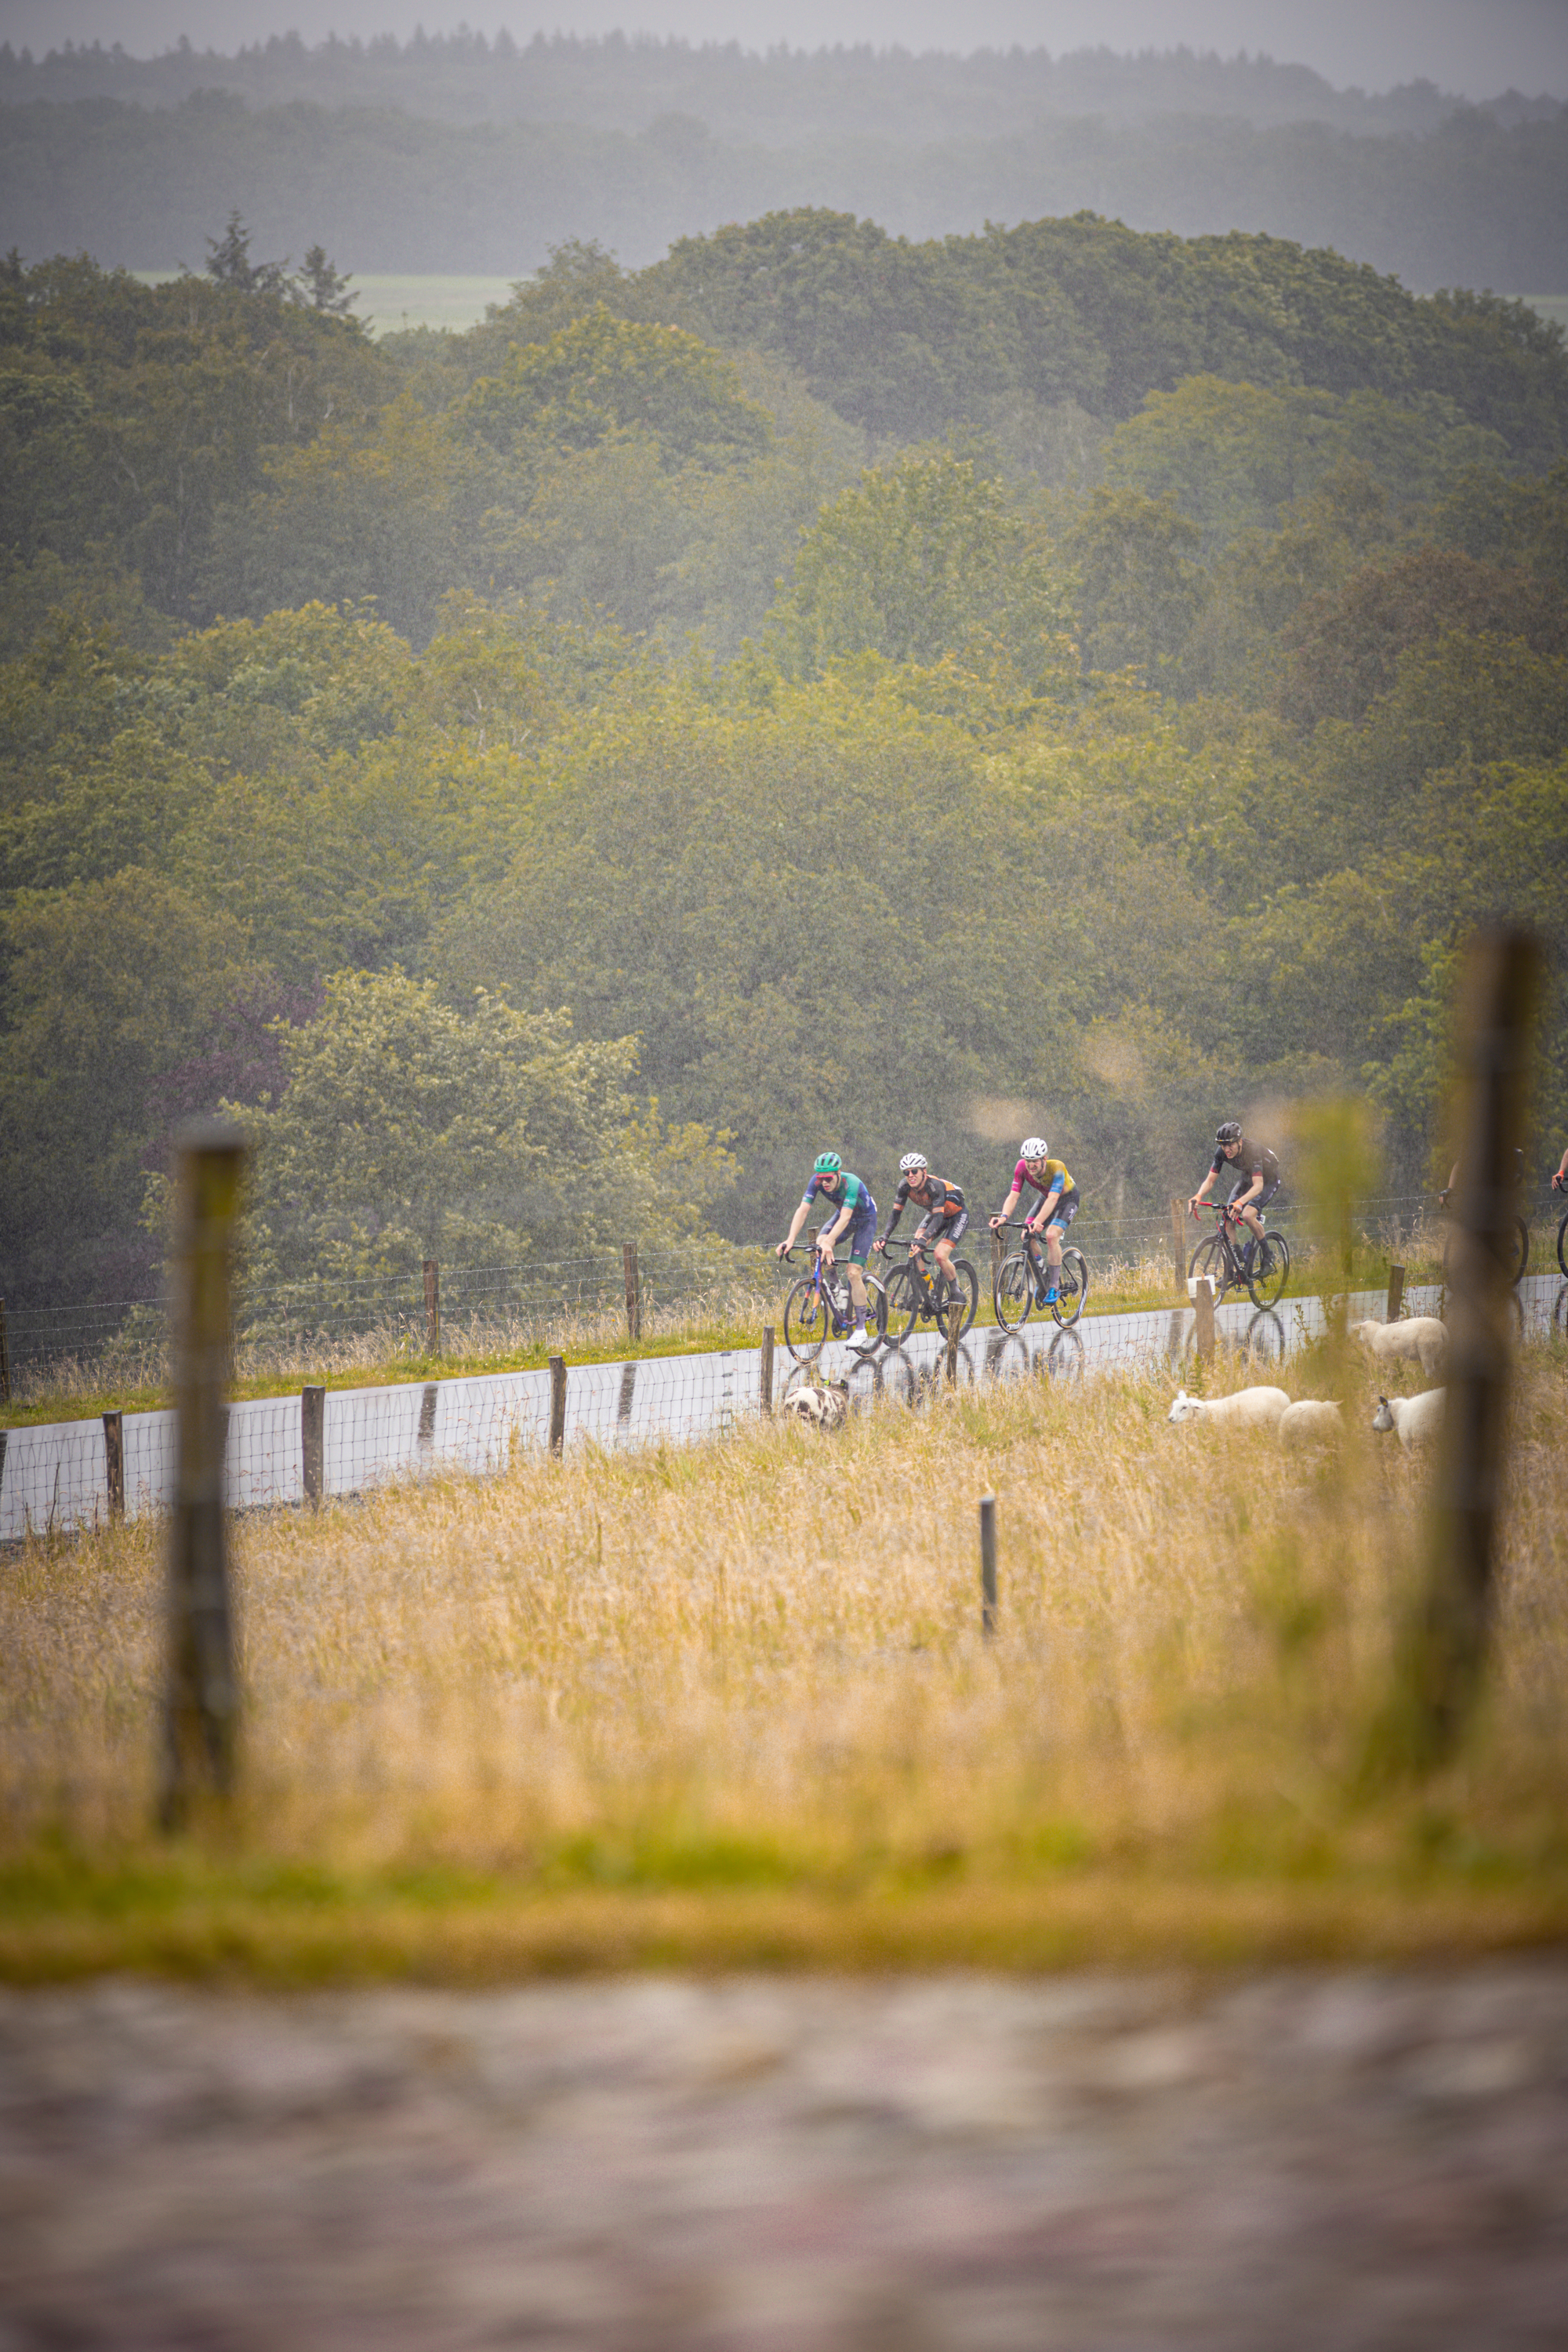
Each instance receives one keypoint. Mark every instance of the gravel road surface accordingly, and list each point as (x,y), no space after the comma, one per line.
(1326,2161)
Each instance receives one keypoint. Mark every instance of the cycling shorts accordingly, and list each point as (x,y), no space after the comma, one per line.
(937,1227)
(855,1242)
(1063,1211)
(1262,1199)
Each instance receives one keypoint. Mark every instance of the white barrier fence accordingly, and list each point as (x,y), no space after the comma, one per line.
(55,1476)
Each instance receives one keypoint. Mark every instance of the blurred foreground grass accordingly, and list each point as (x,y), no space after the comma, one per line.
(729,1704)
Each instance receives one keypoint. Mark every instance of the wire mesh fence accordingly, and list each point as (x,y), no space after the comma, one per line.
(61,1477)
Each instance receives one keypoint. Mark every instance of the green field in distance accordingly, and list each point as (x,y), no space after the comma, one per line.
(391,302)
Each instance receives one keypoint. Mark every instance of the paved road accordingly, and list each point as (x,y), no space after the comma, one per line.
(1294,2163)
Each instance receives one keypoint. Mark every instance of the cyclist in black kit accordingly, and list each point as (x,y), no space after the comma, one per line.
(945,1218)
(1257,1164)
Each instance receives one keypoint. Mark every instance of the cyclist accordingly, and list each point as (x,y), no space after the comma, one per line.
(1453,1183)
(1055,1212)
(1262,1169)
(856,1220)
(1560,1182)
(944,1222)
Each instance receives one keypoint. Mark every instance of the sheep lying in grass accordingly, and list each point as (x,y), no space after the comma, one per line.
(1416,1418)
(1312,1422)
(1247,1409)
(1421,1339)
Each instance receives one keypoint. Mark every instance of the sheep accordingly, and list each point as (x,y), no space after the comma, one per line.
(818,1408)
(1416,1418)
(1312,1422)
(1420,1339)
(1247,1409)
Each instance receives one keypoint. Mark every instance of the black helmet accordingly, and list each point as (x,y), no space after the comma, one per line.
(1228,1132)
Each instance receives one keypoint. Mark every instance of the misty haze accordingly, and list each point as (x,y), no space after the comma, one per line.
(783,1124)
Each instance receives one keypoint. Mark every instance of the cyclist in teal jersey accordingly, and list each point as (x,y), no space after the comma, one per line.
(857,1218)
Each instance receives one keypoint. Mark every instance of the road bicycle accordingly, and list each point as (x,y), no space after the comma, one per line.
(1261,1269)
(912,1294)
(1022,1279)
(819,1307)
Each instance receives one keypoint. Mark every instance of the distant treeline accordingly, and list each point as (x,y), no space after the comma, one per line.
(778,99)
(1478,201)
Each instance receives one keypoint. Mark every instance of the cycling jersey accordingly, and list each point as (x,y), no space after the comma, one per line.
(856,1197)
(936,1196)
(1056,1176)
(1252,1159)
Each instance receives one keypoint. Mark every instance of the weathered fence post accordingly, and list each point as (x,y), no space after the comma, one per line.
(313,1443)
(432,1307)
(1203,1300)
(1396,1307)
(765,1369)
(114,1464)
(201,1702)
(1498,992)
(1179,1245)
(955,1328)
(4,1358)
(634,1290)
(557,1404)
(997,1246)
(987,1565)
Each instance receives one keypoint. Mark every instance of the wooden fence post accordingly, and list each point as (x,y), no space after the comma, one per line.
(1499,992)
(1179,1245)
(1204,1301)
(432,1307)
(557,1404)
(200,1701)
(987,1565)
(955,1328)
(114,1464)
(997,1246)
(765,1369)
(313,1443)
(634,1290)
(4,1358)
(1396,1307)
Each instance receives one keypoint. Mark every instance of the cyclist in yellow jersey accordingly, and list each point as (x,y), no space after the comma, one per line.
(1055,1212)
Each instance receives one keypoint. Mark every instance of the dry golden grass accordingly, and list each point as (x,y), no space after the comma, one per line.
(733,1702)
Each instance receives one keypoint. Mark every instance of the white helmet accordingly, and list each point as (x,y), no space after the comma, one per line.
(1035,1149)
(910,1161)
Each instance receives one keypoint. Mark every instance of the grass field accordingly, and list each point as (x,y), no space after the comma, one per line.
(730,1704)
(391,302)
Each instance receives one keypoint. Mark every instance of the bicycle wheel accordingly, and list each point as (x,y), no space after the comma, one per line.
(1209,1257)
(806,1321)
(904,1305)
(1521,1250)
(1015,1291)
(969,1284)
(1270,1270)
(1072,1288)
(1562,1246)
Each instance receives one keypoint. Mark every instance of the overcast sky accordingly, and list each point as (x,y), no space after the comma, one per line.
(1476,46)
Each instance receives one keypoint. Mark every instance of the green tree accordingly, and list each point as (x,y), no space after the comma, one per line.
(409,1130)
(1141,589)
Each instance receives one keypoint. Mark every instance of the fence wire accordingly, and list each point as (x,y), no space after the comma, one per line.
(55,1476)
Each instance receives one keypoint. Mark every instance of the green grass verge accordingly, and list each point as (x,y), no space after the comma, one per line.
(179,1913)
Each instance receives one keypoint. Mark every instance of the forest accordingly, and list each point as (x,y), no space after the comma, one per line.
(454,156)
(817,689)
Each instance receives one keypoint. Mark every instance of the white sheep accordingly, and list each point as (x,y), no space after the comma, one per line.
(1247,1409)
(1313,1421)
(1420,1339)
(1416,1418)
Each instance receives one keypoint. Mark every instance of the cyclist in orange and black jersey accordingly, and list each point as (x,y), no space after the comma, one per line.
(945,1220)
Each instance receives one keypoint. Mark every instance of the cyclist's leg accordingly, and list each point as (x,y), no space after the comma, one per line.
(1066,1211)
(951,1232)
(859,1240)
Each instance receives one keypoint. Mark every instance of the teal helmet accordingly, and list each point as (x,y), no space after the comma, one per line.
(829,1163)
